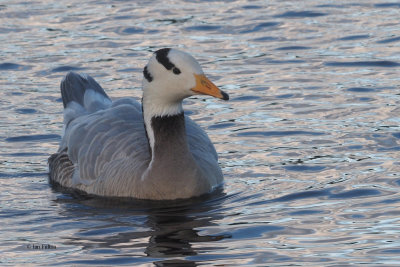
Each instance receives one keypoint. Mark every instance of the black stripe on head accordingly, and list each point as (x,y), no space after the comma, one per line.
(162,58)
(147,74)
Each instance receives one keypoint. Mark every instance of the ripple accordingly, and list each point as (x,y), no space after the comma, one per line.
(278,133)
(306,212)
(252,7)
(202,28)
(259,27)
(250,232)
(125,30)
(131,30)
(175,20)
(33,138)
(292,61)
(366,99)
(397,135)
(304,168)
(16,93)
(12,30)
(65,69)
(24,154)
(300,14)
(246,98)
(9,66)
(354,37)
(13,66)
(389,40)
(388,5)
(284,96)
(22,174)
(303,195)
(109,44)
(293,47)
(122,260)
(221,125)
(356,193)
(266,38)
(381,63)
(361,90)
(25,110)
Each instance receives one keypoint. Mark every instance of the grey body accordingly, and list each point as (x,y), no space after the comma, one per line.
(105,150)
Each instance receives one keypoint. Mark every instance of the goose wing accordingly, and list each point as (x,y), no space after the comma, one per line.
(110,147)
(98,137)
(108,144)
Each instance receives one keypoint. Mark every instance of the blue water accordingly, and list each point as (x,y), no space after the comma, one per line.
(309,142)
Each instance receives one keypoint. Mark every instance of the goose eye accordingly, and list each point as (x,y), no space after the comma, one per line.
(176,71)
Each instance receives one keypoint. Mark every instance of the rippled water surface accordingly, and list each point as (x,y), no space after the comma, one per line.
(309,142)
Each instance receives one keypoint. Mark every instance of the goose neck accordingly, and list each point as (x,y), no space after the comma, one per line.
(163,122)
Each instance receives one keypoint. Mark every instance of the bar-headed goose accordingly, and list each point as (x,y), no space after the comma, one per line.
(125,149)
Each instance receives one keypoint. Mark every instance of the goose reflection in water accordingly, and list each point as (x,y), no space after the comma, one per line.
(122,225)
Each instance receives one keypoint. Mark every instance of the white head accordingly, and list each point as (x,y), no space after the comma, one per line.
(169,77)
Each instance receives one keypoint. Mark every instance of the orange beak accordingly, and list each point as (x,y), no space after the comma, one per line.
(205,87)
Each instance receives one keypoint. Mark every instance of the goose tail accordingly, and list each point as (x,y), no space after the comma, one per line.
(81,95)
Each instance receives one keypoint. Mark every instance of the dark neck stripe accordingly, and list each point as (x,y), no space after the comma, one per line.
(168,129)
(162,58)
(147,74)
(169,123)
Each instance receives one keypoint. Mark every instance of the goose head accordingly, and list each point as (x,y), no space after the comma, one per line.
(170,76)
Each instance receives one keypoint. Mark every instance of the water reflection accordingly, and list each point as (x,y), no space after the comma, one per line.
(166,230)
(309,144)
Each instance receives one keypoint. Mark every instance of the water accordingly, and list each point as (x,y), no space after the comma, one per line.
(309,143)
